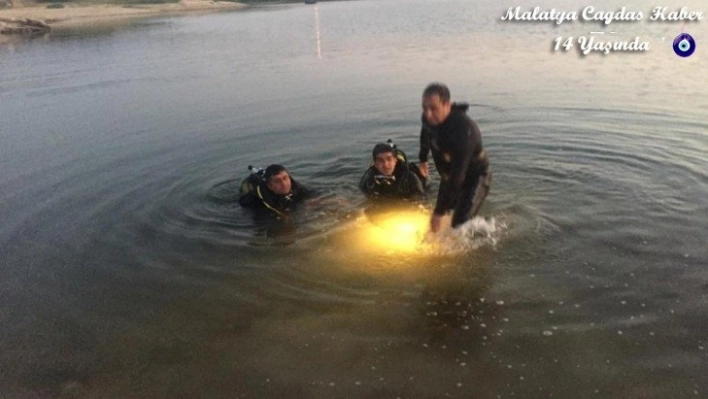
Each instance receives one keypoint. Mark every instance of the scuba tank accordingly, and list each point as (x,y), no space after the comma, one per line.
(258,172)
(253,191)
(255,177)
(249,185)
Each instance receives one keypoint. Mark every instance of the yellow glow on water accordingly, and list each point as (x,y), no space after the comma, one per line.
(395,231)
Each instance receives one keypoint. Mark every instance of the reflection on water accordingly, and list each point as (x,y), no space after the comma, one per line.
(128,268)
(317,32)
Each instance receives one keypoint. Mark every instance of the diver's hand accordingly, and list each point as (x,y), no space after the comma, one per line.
(423,167)
(435,221)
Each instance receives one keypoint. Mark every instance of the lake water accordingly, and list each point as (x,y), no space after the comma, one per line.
(128,269)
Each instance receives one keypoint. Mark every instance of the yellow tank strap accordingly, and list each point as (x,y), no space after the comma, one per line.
(269,206)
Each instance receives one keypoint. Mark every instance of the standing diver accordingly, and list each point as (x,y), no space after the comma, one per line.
(272,190)
(456,144)
(391,175)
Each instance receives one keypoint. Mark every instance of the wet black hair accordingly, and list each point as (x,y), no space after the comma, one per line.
(273,170)
(438,89)
(381,148)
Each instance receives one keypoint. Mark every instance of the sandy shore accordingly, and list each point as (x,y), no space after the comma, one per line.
(76,15)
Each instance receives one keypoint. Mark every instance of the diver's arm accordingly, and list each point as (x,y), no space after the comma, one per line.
(366,185)
(415,186)
(424,144)
(423,167)
(435,222)
(443,202)
(424,150)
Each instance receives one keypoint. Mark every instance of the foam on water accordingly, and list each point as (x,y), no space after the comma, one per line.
(471,235)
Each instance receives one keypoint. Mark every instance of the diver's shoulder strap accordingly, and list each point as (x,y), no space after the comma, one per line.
(401,156)
(261,193)
(367,182)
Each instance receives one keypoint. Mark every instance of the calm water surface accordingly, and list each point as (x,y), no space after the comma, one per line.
(128,269)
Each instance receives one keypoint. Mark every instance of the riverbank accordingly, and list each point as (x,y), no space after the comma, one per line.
(87,15)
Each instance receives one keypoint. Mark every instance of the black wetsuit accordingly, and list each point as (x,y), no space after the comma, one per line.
(262,199)
(461,161)
(403,184)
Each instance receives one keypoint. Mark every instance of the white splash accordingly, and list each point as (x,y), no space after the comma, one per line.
(471,235)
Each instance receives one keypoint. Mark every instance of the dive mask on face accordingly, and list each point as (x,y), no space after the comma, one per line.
(384,180)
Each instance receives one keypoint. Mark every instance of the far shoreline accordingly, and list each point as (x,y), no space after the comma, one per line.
(76,16)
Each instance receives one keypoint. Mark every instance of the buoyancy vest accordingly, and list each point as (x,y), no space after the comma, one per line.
(254,192)
(402,183)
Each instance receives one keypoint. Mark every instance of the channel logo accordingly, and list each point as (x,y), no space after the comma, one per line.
(684,45)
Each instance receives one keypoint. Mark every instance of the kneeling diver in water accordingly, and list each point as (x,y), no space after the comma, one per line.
(391,176)
(272,190)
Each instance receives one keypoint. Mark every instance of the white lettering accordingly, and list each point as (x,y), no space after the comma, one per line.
(511,15)
(588,45)
(659,14)
(607,17)
(558,17)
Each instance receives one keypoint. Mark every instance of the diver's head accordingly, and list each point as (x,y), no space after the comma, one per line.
(436,103)
(385,158)
(278,179)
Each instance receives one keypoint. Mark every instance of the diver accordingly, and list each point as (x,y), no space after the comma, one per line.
(462,163)
(272,190)
(390,175)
